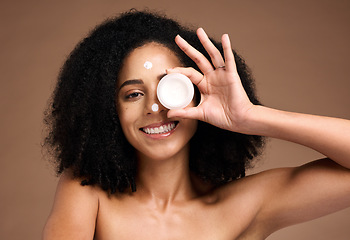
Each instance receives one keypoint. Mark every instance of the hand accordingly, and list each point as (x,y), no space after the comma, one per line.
(224,102)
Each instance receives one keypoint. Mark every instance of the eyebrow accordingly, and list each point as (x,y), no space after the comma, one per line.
(137,81)
(131,82)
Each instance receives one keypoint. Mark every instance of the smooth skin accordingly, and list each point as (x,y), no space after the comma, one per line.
(170,203)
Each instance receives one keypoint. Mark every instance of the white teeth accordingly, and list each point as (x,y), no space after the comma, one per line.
(156,130)
(159,130)
(166,128)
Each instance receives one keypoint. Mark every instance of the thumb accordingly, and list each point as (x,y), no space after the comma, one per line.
(190,113)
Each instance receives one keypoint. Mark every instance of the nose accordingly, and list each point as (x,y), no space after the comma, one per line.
(153,105)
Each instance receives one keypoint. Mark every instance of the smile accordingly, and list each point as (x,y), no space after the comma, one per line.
(164,128)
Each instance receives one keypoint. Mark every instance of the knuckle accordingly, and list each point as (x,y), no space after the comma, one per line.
(197,60)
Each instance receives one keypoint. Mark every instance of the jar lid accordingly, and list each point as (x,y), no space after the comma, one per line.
(175,91)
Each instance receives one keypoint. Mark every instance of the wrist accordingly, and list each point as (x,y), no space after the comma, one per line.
(256,121)
(244,121)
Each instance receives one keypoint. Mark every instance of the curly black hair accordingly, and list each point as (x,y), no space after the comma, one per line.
(85,135)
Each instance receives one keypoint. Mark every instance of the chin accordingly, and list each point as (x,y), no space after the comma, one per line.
(163,153)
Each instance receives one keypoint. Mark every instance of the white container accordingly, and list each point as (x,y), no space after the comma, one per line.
(175,91)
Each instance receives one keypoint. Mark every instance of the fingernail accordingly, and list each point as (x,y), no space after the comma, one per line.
(202,29)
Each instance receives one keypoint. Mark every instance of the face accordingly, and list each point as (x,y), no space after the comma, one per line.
(152,134)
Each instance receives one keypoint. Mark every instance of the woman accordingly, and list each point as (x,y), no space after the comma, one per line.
(133,172)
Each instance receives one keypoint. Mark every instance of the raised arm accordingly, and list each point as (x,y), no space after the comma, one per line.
(74,212)
(289,195)
(226,105)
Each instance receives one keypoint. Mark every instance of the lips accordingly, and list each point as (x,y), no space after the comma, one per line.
(159,128)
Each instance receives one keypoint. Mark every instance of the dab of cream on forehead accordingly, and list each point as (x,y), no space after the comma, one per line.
(148,65)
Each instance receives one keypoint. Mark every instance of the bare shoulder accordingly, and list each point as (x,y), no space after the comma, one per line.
(282,197)
(241,201)
(74,211)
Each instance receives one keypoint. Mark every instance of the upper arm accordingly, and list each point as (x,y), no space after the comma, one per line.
(74,212)
(304,193)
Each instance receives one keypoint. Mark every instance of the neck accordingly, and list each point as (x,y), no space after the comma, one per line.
(165,181)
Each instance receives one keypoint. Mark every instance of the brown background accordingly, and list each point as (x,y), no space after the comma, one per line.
(298,51)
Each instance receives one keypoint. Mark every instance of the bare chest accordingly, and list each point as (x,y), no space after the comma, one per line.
(190,221)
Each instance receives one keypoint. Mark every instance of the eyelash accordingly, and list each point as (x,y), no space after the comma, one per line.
(132,95)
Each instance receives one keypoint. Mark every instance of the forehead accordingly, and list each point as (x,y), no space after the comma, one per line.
(137,63)
(154,53)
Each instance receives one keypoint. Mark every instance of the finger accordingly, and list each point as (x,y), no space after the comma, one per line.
(189,113)
(230,63)
(195,76)
(201,61)
(213,52)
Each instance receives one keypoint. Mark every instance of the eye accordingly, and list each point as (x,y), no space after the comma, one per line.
(134,95)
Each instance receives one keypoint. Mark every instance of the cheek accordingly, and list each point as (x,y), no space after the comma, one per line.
(194,125)
(125,115)
(127,123)
(129,114)
(191,126)
(122,112)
